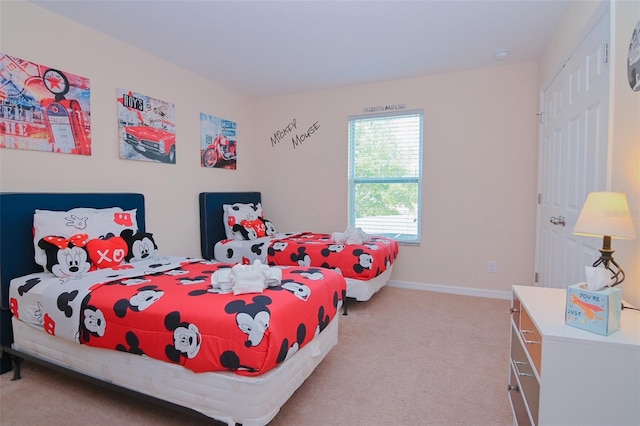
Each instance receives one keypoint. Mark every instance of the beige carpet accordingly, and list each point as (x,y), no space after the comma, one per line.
(405,357)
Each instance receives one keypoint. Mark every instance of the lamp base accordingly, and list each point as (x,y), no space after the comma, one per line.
(606,260)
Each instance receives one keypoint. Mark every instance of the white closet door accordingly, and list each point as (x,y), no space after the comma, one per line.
(573,159)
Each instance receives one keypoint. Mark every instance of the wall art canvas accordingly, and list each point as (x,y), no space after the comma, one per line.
(217,142)
(146,128)
(43,108)
(633,59)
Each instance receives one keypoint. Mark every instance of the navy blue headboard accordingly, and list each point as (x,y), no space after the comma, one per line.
(211,226)
(16,236)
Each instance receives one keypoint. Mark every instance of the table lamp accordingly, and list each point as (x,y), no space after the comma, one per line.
(606,215)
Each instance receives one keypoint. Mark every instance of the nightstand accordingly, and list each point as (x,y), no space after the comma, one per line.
(562,375)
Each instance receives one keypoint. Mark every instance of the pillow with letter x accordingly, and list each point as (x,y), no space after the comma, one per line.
(107,252)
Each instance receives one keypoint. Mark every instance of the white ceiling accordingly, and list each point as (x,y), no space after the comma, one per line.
(274,47)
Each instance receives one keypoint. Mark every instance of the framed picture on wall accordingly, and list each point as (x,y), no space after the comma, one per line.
(633,59)
(43,108)
(217,142)
(146,128)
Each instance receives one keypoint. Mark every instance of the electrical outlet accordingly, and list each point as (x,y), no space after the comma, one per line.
(492,266)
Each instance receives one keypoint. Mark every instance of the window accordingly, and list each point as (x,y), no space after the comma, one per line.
(385,174)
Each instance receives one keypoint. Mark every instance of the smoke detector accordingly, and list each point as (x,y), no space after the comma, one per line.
(501,54)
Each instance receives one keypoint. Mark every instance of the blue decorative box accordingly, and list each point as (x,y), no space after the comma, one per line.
(596,311)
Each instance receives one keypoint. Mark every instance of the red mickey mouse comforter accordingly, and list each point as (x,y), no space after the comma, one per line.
(166,308)
(356,261)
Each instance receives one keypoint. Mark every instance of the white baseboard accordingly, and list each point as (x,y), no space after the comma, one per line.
(464,291)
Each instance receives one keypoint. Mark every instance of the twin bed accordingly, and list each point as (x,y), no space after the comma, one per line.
(233,228)
(240,366)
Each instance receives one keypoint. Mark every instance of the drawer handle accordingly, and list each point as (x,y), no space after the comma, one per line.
(514,310)
(517,363)
(525,339)
(512,388)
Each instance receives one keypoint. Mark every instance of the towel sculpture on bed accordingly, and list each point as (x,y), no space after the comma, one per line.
(243,279)
(351,236)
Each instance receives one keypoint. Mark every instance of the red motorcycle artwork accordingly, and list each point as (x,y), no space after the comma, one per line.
(218,142)
(222,148)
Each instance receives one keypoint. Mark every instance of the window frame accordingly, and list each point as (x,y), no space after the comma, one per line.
(353,181)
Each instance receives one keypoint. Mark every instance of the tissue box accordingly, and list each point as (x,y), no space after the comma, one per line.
(595,311)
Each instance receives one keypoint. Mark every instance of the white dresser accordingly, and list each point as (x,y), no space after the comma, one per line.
(562,375)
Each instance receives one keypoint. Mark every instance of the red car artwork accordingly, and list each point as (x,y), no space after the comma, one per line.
(157,140)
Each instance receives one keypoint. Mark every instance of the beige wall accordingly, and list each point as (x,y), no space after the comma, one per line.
(480,170)
(624,115)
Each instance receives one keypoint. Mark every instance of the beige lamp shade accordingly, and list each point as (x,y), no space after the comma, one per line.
(605,214)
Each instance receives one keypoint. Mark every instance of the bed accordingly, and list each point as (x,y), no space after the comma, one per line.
(366,266)
(271,341)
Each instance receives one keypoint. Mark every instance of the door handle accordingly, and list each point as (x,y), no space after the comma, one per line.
(557,220)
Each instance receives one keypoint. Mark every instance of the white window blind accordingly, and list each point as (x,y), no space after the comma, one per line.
(385,174)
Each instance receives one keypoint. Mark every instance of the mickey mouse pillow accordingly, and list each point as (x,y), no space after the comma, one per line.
(141,245)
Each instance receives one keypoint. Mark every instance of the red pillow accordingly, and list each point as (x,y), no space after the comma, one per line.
(257,226)
(108,253)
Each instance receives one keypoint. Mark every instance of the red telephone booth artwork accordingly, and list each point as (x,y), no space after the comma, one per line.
(43,109)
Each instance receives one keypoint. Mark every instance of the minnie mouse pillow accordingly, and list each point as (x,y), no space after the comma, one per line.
(66,257)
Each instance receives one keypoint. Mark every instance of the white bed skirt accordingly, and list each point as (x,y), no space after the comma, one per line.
(363,290)
(224,396)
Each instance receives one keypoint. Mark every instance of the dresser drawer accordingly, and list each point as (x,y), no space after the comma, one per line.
(515,310)
(517,402)
(522,370)
(532,339)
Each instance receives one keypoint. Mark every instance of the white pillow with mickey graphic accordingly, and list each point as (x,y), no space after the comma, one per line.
(96,223)
(236,214)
